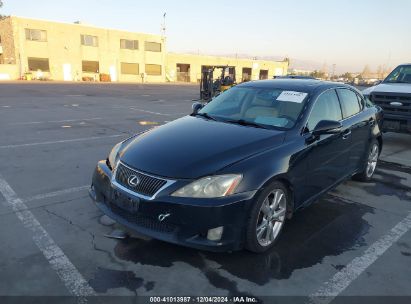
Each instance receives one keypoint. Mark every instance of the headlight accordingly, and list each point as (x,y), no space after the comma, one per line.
(113,156)
(210,187)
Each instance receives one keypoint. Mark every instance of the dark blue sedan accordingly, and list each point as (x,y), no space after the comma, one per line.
(232,173)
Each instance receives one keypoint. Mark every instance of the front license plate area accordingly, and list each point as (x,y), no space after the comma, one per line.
(125,202)
(391,125)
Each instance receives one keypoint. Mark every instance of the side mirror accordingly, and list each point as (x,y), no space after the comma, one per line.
(327,127)
(377,82)
(197,106)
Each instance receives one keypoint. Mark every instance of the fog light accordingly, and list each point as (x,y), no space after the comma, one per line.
(215,234)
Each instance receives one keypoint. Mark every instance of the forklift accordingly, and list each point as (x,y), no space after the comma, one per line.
(209,87)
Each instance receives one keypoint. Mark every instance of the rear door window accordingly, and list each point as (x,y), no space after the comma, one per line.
(349,102)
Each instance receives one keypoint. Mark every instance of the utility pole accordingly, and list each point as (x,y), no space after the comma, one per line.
(163,38)
(333,75)
(163,26)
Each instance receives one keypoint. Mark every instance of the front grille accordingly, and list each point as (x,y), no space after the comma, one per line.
(143,221)
(148,185)
(384,100)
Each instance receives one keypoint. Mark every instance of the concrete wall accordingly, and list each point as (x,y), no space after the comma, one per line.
(8,54)
(63,48)
(197,61)
(8,68)
(9,72)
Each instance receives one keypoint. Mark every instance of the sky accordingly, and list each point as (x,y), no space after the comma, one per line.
(347,33)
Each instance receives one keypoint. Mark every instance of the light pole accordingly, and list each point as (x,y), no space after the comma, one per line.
(163,26)
(163,38)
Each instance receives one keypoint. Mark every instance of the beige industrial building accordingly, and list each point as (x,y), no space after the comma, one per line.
(187,67)
(38,49)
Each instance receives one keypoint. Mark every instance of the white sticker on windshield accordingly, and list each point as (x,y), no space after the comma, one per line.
(292,96)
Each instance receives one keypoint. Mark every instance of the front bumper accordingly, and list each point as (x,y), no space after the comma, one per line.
(396,123)
(187,220)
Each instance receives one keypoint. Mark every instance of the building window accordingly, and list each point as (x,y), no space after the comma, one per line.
(36,64)
(90,66)
(89,40)
(263,74)
(153,69)
(247,74)
(130,68)
(36,35)
(152,46)
(128,44)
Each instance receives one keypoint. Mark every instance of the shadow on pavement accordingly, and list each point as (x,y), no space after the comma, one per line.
(327,228)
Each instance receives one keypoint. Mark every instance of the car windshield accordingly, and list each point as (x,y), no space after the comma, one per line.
(401,74)
(258,107)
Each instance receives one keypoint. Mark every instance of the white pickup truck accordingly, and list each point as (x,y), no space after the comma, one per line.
(393,95)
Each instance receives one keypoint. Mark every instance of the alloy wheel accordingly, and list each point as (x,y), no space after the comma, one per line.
(271,217)
(372,160)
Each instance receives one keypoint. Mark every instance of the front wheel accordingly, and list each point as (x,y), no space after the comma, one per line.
(267,218)
(371,165)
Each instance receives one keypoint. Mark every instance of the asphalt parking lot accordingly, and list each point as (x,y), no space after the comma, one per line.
(354,241)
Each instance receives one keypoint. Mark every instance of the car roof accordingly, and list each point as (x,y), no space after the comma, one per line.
(294,77)
(303,85)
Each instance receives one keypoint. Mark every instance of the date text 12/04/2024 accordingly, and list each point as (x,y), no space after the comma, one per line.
(204,299)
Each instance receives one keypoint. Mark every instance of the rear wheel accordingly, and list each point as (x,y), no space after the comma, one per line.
(267,218)
(371,164)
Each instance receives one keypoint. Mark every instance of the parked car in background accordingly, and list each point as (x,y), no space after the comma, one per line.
(393,95)
(230,174)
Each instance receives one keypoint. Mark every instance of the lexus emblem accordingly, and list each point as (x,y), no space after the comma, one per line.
(133,180)
(396,104)
(162,217)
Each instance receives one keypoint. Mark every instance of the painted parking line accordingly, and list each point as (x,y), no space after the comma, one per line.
(54,194)
(50,195)
(68,273)
(53,121)
(342,279)
(156,113)
(60,141)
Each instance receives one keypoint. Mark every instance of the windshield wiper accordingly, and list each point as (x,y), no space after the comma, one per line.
(246,123)
(205,115)
(397,81)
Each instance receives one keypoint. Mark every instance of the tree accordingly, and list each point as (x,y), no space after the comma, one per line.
(347,76)
(318,74)
(324,71)
(366,72)
(380,72)
(386,70)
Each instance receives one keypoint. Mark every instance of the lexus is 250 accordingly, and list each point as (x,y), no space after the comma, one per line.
(231,174)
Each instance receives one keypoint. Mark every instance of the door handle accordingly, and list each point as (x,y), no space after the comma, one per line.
(346,134)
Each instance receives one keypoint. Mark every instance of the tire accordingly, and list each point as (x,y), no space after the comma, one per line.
(371,163)
(269,211)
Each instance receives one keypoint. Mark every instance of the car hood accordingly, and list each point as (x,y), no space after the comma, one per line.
(192,147)
(404,88)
